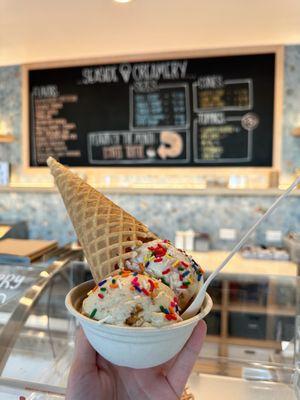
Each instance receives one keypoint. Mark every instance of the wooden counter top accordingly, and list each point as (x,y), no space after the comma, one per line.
(239,265)
(143,189)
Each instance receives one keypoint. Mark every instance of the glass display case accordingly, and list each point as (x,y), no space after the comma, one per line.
(250,349)
(36,331)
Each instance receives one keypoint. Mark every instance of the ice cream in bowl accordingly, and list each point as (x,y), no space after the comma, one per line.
(131,310)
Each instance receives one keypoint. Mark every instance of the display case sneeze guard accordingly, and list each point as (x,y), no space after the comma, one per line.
(250,349)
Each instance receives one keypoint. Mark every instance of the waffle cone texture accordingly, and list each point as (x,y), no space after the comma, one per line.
(105,231)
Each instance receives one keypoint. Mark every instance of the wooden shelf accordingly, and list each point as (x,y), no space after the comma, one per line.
(217,307)
(6,138)
(214,338)
(183,190)
(285,311)
(296,131)
(270,310)
(255,270)
(240,341)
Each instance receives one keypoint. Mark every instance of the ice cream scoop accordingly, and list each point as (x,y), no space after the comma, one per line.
(160,259)
(132,299)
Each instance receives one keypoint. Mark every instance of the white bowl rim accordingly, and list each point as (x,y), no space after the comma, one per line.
(205,311)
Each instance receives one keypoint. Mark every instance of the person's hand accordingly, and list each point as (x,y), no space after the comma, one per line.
(93,378)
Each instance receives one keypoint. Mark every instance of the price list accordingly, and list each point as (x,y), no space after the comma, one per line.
(165,107)
(230,96)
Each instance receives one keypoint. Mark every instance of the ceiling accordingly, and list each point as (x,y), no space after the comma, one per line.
(44,30)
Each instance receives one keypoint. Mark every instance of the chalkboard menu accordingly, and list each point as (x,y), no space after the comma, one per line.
(215,111)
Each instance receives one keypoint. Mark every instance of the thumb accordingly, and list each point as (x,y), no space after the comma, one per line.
(84,353)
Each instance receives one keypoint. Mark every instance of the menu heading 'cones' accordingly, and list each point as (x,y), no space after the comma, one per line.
(105,231)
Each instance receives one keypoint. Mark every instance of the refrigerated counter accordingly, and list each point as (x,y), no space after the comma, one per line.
(36,332)
(249,353)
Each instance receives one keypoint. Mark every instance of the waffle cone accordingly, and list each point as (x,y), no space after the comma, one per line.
(105,231)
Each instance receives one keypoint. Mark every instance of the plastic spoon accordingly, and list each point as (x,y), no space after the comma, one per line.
(194,308)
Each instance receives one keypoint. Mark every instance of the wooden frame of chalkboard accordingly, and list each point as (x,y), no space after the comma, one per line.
(197,169)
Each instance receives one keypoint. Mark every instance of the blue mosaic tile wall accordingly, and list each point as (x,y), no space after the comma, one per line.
(291,110)
(10,112)
(164,214)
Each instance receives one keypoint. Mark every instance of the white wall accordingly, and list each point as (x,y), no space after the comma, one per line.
(35,30)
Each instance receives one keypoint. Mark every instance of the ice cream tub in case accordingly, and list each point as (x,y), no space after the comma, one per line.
(135,347)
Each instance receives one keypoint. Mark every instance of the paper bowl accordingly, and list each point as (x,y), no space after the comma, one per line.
(134,347)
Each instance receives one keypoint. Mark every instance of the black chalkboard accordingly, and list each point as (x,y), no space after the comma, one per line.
(215,111)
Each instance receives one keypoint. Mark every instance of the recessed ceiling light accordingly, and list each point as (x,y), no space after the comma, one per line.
(122,1)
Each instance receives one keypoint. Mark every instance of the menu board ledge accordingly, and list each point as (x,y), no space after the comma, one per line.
(192,191)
